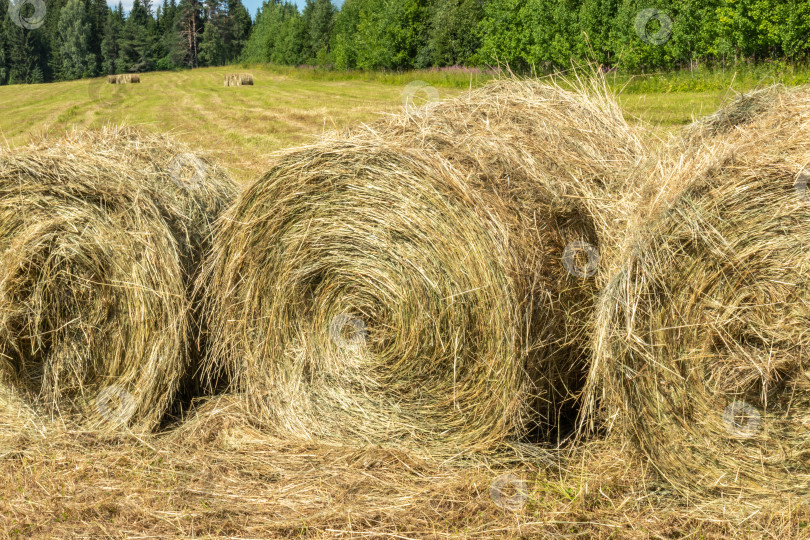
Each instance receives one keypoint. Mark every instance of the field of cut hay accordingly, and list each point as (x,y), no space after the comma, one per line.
(508,314)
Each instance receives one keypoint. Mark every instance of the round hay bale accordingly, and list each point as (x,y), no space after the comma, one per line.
(239,79)
(98,259)
(371,289)
(546,150)
(702,343)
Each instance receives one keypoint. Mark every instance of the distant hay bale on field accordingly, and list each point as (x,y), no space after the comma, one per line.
(239,79)
(124,78)
(384,289)
(100,247)
(702,345)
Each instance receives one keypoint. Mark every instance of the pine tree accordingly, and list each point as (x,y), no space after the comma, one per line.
(237,30)
(4,65)
(74,42)
(318,20)
(25,53)
(97,11)
(136,38)
(212,45)
(111,61)
(189,27)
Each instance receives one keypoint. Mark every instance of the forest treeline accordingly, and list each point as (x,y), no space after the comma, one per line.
(47,40)
(79,38)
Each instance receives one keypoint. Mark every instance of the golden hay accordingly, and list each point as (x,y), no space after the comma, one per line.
(702,343)
(394,289)
(735,115)
(124,78)
(239,79)
(101,242)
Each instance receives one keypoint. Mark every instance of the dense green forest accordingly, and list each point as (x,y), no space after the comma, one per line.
(45,40)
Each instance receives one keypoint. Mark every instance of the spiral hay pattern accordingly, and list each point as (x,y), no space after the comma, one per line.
(98,257)
(387,287)
(702,348)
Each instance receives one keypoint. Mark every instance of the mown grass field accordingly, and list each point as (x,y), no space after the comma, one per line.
(219,478)
(242,127)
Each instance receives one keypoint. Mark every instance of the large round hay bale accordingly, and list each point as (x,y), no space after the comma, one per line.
(100,245)
(702,344)
(384,289)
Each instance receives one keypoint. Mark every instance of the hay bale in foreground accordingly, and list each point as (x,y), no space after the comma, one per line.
(702,344)
(239,79)
(98,257)
(371,289)
(736,114)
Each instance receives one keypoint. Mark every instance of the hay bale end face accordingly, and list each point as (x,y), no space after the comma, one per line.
(702,343)
(98,261)
(239,79)
(553,157)
(380,290)
(124,78)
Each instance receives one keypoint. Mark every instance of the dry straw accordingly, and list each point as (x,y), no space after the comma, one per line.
(124,78)
(735,115)
(100,246)
(702,345)
(239,79)
(405,283)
